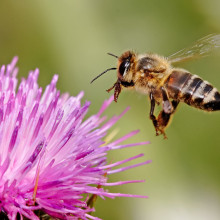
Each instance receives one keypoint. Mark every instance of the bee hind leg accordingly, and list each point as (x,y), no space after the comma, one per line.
(167,105)
(163,118)
(162,121)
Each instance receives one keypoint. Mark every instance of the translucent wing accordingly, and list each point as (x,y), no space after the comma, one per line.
(200,48)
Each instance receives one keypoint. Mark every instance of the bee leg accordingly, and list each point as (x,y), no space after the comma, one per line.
(167,105)
(117,87)
(164,118)
(162,121)
(152,116)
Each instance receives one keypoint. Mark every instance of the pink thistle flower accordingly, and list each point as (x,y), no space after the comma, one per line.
(50,159)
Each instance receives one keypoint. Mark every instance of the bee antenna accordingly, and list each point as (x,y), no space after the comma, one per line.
(112,55)
(103,73)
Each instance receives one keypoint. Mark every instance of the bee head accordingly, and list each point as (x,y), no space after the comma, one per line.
(124,64)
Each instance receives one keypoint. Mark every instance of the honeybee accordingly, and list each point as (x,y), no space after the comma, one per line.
(154,75)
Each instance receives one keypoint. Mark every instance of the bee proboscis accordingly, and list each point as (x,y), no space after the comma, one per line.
(166,85)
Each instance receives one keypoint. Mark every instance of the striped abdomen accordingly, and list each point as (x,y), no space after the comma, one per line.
(192,90)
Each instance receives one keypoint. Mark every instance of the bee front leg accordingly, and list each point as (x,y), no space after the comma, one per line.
(117,87)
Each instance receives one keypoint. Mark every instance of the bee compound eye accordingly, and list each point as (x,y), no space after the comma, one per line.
(124,67)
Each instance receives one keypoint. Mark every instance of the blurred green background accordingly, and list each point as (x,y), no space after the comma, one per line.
(71,38)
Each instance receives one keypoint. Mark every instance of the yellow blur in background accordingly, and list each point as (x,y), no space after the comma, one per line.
(72,37)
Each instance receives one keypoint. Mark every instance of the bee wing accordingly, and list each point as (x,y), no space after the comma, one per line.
(200,48)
